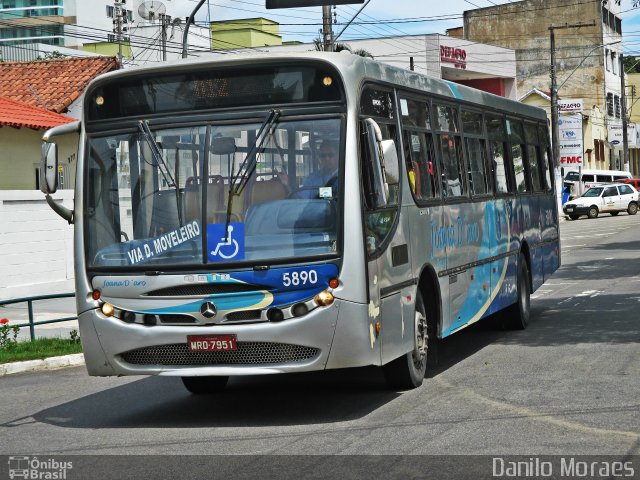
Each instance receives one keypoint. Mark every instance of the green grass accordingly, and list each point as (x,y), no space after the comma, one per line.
(38,349)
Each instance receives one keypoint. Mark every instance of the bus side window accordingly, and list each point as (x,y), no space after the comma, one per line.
(450,143)
(476,152)
(497,137)
(533,157)
(420,158)
(499,171)
(543,136)
(520,170)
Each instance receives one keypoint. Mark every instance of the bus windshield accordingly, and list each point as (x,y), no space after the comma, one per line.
(572,176)
(161,196)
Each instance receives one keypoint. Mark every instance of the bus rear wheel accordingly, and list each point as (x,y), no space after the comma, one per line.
(204,385)
(519,313)
(407,371)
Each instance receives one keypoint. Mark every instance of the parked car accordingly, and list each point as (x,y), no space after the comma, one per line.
(613,199)
(635,182)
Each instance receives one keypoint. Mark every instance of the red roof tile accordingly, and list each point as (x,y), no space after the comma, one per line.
(16,114)
(51,84)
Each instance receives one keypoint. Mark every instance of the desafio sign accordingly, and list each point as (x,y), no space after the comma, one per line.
(457,56)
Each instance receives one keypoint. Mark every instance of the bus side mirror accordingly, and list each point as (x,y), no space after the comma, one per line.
(49,168)
(384,156)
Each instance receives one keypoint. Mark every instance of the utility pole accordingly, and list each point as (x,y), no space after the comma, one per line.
(327,29)
(623,116)
(163,26)
(117,29)
(555,133)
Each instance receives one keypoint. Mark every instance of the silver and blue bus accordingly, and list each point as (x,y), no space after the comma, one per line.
(203,250)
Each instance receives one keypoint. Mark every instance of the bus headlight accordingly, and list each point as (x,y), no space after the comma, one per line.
(324,298)
(107,309)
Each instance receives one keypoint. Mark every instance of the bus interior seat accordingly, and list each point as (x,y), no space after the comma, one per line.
(237,208)
(216,202)
(267,191)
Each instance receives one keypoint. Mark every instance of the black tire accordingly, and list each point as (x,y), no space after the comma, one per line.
(632,209)
(517,316)
(205,385)
(574,217)
(613,214)
(407,371)
(593,212)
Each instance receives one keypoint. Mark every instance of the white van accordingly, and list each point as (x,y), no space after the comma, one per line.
(580,182)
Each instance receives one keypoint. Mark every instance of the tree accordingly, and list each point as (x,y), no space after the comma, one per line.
(632,63)
(55,55)
(339,47)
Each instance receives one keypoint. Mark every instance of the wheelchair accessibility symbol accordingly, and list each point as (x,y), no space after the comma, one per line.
(227,245)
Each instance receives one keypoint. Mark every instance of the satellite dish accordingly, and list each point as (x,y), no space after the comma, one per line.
(151,9)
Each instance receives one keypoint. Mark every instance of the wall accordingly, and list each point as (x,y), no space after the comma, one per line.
(20,157)
(36,245)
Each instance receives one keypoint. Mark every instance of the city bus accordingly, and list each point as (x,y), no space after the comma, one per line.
(203,252)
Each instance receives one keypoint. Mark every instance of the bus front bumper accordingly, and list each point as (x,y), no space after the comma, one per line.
(336,336)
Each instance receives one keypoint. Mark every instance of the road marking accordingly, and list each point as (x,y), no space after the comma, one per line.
(549,418)
(572,246)
(586,293)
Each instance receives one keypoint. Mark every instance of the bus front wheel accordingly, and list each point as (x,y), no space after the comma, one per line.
(204,385)
(407,371)
(519,313)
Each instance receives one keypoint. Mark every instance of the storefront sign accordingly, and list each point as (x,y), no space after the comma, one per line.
(570,140)
(570,105)
(615,137)
(457,56)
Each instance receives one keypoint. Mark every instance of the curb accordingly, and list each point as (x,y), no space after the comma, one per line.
(51,363)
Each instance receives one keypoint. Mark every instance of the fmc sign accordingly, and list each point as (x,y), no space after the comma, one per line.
(570,130)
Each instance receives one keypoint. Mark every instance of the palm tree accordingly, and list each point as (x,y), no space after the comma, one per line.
(339,47)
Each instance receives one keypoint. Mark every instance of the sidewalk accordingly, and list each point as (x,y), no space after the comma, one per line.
(18,313)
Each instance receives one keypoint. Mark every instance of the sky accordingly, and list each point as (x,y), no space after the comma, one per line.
(386,17)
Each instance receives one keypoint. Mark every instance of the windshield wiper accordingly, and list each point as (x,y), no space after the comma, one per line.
(143,125)
(239,181)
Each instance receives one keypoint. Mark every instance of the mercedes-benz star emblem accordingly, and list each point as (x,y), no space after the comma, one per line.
(208,310)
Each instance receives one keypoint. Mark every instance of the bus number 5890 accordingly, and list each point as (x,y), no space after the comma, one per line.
(299,278)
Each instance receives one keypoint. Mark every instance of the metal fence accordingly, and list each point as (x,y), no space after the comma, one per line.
(29,301)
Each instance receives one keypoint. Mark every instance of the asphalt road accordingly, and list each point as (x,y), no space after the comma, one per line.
(568,385)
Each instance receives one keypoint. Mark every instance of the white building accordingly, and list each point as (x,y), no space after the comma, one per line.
(149,27)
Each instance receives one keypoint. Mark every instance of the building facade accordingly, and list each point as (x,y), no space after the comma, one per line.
(587,63)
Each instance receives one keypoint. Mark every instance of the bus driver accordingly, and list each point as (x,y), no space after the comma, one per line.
(327,175)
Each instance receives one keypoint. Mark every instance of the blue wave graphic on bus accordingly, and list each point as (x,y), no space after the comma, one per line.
(494,242)
(281,286)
